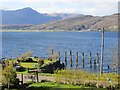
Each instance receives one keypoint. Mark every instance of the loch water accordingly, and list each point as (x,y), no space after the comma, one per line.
(41,43)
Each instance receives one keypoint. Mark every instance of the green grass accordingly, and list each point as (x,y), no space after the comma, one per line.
(54,85)
(32,64)
(28,65)
(46,74)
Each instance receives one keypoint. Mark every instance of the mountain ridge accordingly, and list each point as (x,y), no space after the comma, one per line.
(25,16)
(30,19)
(88,22)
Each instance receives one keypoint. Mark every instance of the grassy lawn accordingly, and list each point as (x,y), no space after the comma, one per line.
(28,65)
(46,74)
(32,64)
(54,85)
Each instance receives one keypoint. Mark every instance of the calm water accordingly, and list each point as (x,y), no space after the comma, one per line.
(40,44)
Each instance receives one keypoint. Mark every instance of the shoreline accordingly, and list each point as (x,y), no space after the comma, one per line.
(50,31)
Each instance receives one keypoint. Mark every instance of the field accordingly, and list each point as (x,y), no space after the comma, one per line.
(50,85)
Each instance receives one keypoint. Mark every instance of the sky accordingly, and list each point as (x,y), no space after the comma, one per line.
(87,7)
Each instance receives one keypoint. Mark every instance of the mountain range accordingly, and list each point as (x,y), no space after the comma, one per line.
(87,22)
(27,18)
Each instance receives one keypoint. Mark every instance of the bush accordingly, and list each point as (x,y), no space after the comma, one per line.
(83,78)
(19,68)
(40,62)
(8,73)
(28,54)
(44,80)
(28,60)
(22,57)
(16,83)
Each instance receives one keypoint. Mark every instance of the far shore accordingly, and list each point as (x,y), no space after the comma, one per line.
(50,31)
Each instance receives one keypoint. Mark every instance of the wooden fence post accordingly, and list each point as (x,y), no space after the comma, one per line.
(82,59)
(70,59)
(28,70)
(76,59)
(22,78)
(37,76)
(90,56)
(65,58)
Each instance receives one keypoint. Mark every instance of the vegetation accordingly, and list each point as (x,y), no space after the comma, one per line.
(63,78)
(9,75)
(78,77)
(27,61)
(51,85)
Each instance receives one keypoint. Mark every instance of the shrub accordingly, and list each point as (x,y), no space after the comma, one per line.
(40,62)
(45,80)
(28,60)
(8,75)
(83,78)
(19,68)
(22,57)
(28,54)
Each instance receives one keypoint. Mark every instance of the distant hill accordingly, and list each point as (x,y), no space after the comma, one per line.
(25,16)
(64,15)
(88,22)
(21,18)
(15,26)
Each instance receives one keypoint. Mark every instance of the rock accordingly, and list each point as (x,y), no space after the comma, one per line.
(50,68)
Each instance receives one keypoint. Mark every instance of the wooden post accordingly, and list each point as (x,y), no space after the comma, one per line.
(70,59)
(90,56)
(59,56)
(97,58)
(102,53)
(82,59)
(95,63)
(52,52)
(37,76)
(22,78)
(63,65)
(28,70)
(65,58)
(76,59)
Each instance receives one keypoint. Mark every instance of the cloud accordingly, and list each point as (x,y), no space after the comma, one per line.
(56,10)
(66,1)
(90,11)
(99,8)
(93,7)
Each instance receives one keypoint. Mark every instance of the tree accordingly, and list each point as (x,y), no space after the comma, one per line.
(28,54)
(8,76)
(22,57)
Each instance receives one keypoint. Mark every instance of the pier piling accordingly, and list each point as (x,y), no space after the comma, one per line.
(59,55)
(65,58)
(70,59)
(76,59)
(82,59)
(90,57)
